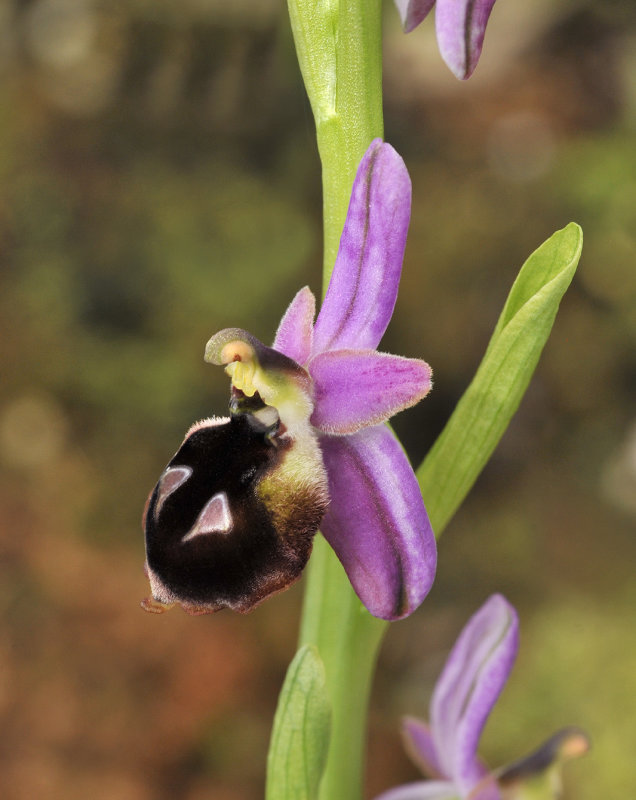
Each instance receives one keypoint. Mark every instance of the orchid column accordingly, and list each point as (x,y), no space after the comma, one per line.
(339,48)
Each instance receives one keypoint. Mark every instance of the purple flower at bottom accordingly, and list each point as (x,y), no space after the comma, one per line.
(232,517)
(470,683)
(460,27)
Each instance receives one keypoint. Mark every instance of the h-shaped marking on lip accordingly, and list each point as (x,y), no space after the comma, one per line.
(216,517)
(170,481)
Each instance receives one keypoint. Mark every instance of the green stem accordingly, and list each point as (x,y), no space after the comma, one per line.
(339,46)
(348,639)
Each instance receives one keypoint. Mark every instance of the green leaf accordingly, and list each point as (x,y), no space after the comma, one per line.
(482,415)
(300,737)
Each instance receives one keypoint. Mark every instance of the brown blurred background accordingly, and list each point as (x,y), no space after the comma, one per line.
(159,181)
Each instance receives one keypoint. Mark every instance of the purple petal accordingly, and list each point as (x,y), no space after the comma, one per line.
(461,25)
(422,790)
(412,12)
(486,788)
(420,745)
(363,288)
(355,389)
(294,336)
(473,677)
(377,523)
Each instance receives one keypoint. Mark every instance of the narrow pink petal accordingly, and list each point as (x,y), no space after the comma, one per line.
(472,680)
(422,790)
(412,12)
(461,26)
(420,745)
(355,389)
(377,523)
(364,284)
(294,336)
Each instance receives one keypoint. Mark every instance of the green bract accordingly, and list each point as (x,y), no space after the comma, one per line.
(484,411)
(300,738)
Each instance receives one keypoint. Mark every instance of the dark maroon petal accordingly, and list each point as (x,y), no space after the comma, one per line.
(363,288)
(355,389)
(461,26)
(377,523)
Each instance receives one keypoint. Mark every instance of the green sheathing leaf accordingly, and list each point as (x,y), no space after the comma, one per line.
(300,738)
(484,411)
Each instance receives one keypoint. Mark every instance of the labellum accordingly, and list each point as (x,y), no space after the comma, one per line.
(232,518)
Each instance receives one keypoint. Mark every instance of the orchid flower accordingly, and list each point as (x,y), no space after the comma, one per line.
(472,679)
(232,517)
(460,27)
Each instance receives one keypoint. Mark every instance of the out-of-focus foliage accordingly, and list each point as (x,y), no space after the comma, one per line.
(158,182)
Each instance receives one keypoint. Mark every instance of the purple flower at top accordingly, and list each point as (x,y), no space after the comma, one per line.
(232,517)
(470,683)
(460,27)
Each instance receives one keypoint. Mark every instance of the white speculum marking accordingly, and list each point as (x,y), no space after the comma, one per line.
(216,517)
(169,482)
(268,416)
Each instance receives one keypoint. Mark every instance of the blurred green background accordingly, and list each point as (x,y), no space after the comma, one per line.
(159,181)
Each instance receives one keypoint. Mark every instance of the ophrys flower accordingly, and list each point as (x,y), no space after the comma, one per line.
(464,696)
(306,435)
